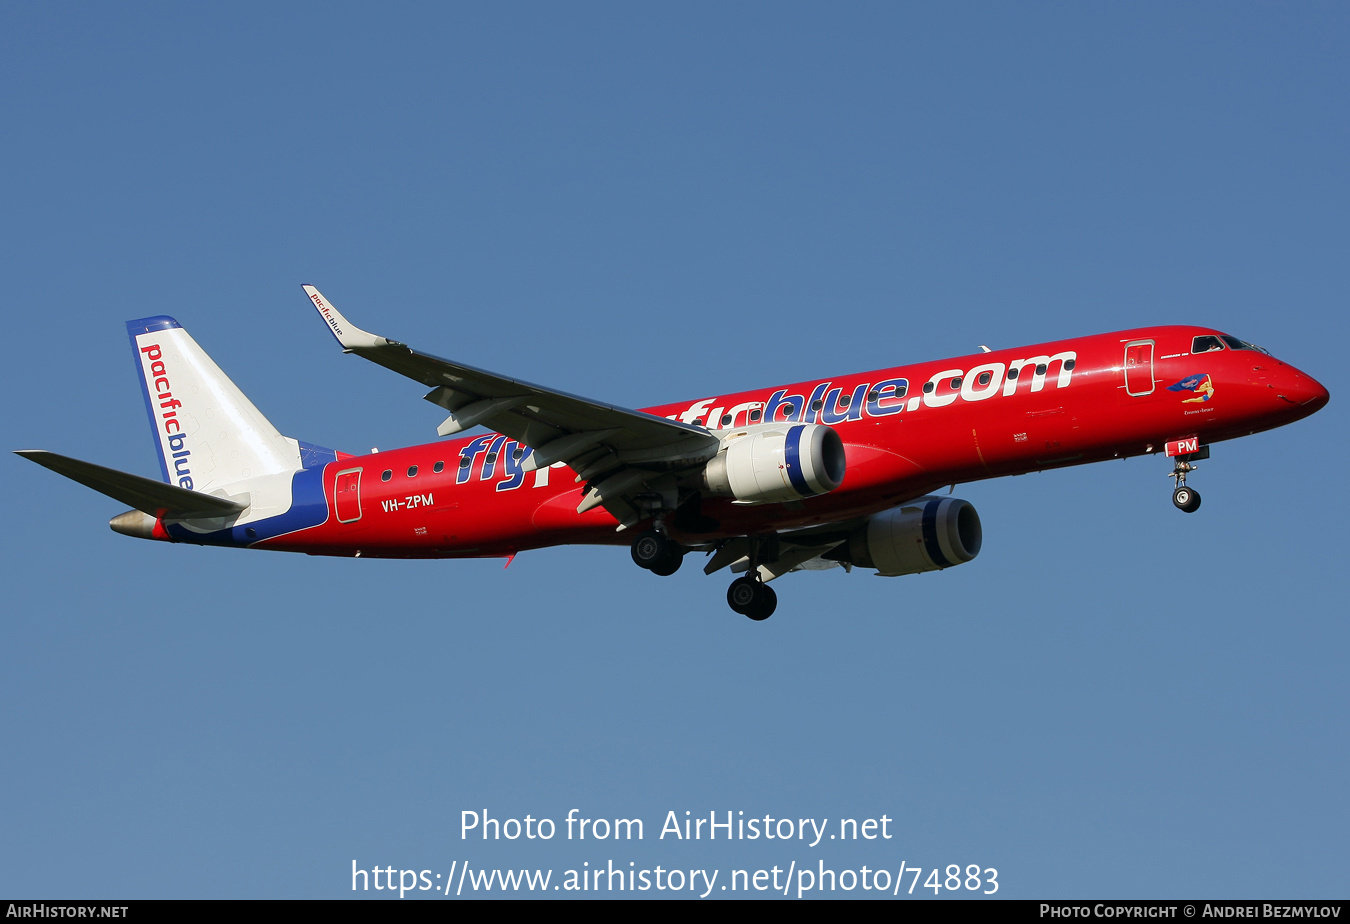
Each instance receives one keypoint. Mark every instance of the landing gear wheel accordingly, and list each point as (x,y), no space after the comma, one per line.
(742,593)
(750,597)
(767,604)
(1187,499)
(650,548)
(657,553)
(671,563)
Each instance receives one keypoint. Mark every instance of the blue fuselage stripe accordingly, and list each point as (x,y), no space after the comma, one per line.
(309,508)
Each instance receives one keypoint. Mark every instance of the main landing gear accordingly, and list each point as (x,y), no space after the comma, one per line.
(1183,497)
(748,595)
(751,597)
(657,553)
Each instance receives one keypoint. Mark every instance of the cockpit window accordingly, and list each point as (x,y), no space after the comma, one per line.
(1206,344)
(1236,344)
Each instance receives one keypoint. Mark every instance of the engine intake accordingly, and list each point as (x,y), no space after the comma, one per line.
(927,534)
(777,463)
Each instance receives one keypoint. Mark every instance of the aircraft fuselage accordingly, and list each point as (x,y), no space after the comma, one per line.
(906,431)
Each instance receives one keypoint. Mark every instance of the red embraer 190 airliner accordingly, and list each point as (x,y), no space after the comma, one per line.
(811,475)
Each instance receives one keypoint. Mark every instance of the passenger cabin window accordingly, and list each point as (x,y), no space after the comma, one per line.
(412,471)
(438,467)
(1206,344)
(387,475)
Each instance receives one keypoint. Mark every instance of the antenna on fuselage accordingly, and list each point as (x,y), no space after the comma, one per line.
(985,349)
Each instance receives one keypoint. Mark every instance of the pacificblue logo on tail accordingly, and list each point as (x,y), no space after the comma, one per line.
(159,391)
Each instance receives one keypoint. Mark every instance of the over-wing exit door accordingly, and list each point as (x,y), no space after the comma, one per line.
(347,496)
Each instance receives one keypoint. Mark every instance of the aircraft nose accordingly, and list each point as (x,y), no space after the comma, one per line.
(1318,396)
(1305,391)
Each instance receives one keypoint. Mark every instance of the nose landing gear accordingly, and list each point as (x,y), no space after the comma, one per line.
(1185,498)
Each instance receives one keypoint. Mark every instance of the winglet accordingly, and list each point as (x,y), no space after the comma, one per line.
(348,334)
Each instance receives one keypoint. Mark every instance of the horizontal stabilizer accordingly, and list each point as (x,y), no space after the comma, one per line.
(145,494)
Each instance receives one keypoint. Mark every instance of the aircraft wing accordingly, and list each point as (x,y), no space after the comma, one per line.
(619,453)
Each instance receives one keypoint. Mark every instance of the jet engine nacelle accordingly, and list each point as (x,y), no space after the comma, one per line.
(927,534)
(777,462)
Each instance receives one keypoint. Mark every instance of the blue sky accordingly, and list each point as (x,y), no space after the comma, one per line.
(645,204)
